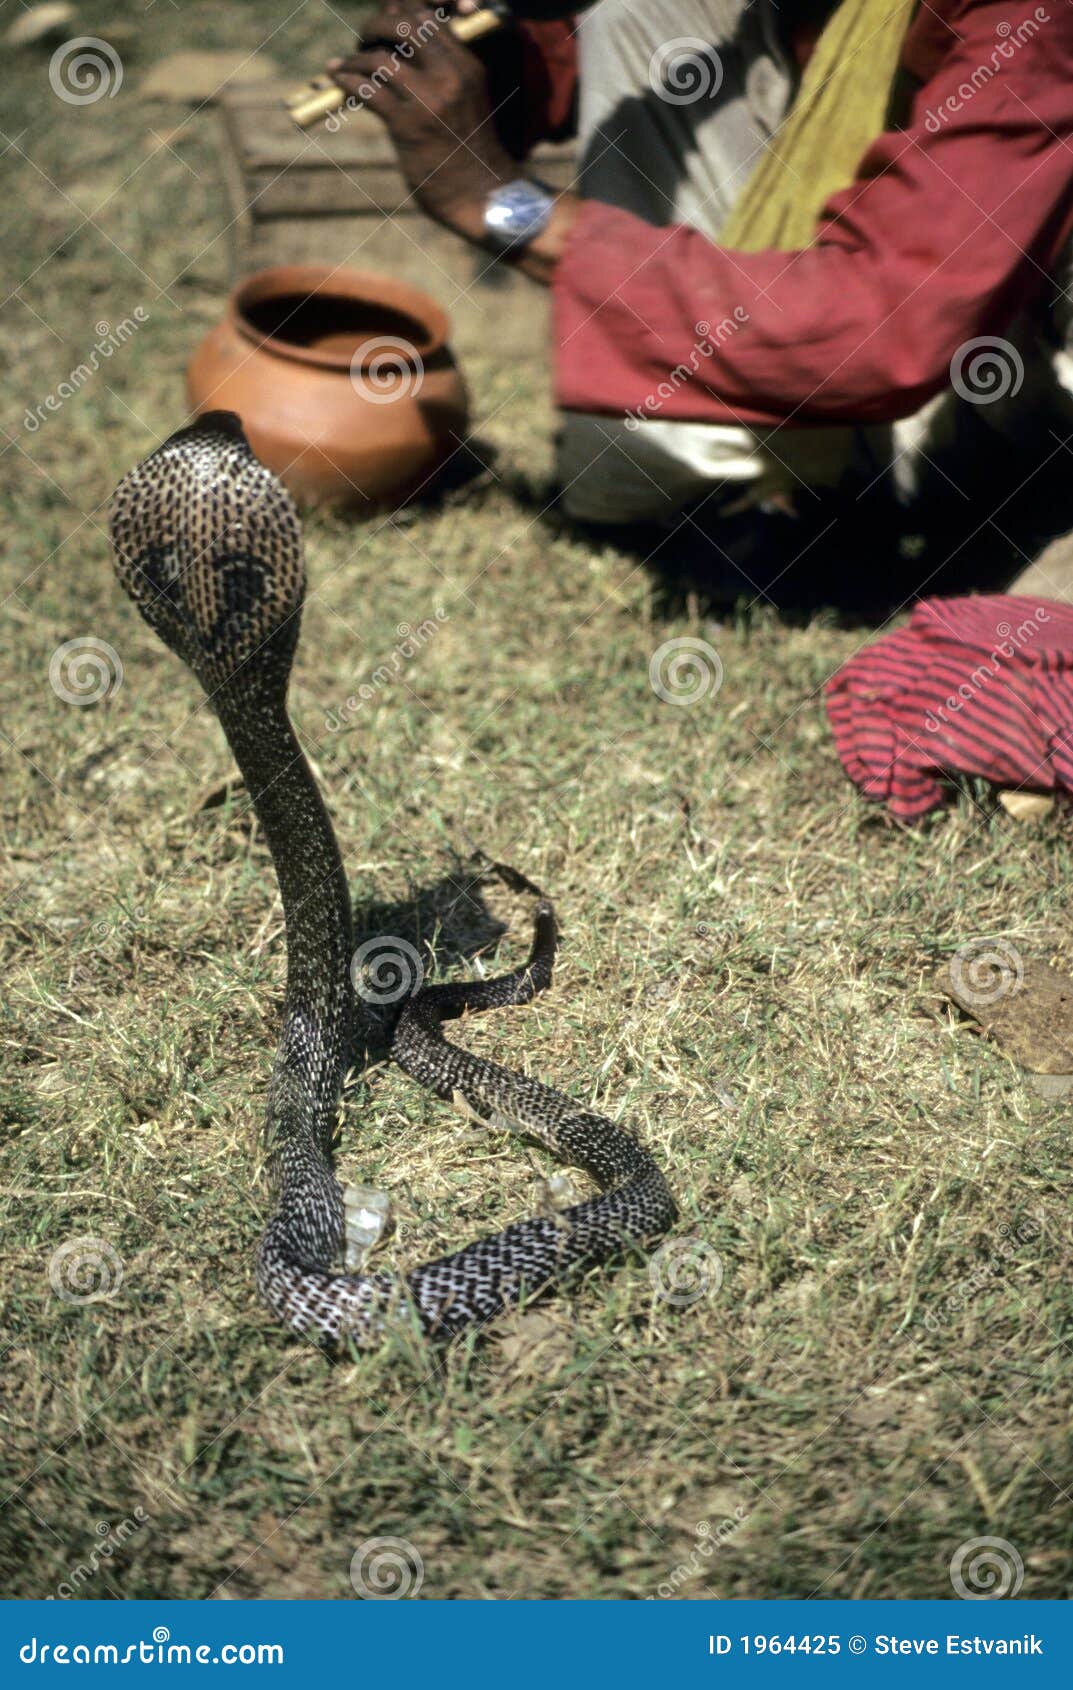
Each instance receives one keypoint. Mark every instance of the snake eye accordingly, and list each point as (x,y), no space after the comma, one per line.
(209,546)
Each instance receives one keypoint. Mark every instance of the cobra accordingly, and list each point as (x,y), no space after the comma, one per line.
(208,545)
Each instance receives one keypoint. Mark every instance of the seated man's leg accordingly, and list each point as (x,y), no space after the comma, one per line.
(1009,403)
(617,470)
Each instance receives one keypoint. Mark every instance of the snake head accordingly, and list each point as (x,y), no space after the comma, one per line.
(208,544)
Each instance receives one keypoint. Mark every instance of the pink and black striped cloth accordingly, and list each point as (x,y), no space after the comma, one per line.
(972,686)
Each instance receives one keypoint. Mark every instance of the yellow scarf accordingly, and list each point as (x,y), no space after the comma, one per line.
(840,108)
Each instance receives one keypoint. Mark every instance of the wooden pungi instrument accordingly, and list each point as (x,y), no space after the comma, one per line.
(317,99)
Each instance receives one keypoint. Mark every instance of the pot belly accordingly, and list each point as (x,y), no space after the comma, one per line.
(371,439)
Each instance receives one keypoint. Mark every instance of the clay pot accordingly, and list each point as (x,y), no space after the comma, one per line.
(343,381)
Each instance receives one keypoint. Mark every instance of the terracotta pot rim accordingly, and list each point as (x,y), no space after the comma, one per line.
(365,285)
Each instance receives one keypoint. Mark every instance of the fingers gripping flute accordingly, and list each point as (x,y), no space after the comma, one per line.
(317,99)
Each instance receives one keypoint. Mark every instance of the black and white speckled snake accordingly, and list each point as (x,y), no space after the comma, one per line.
(208,544)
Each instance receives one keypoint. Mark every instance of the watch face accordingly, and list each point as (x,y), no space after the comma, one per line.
(517,212)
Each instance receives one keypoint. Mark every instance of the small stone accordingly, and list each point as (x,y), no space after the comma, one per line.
(1054,1087)
(39,23)
(1027,806)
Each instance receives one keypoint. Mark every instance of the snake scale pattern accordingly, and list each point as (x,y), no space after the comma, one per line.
(208,544)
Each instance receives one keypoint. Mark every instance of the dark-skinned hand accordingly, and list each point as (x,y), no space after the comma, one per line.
(431,93)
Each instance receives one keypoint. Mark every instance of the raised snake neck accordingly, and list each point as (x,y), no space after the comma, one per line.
(208,545)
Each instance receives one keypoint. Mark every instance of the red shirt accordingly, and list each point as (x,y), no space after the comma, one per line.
(952,225)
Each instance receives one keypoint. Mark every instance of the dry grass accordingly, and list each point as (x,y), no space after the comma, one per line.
(884,1372)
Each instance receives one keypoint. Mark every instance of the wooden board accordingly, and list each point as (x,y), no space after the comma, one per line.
(290,172)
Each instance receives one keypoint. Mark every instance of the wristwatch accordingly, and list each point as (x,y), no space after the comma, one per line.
(516,213)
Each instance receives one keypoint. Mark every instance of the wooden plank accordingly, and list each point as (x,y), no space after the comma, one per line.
(287,172)
(267,139)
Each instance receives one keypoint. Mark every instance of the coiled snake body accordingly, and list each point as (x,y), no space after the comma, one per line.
(209,546)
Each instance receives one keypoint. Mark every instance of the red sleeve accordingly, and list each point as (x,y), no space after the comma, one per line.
(949,228)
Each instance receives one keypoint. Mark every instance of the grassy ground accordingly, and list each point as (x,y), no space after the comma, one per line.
(882,1373)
